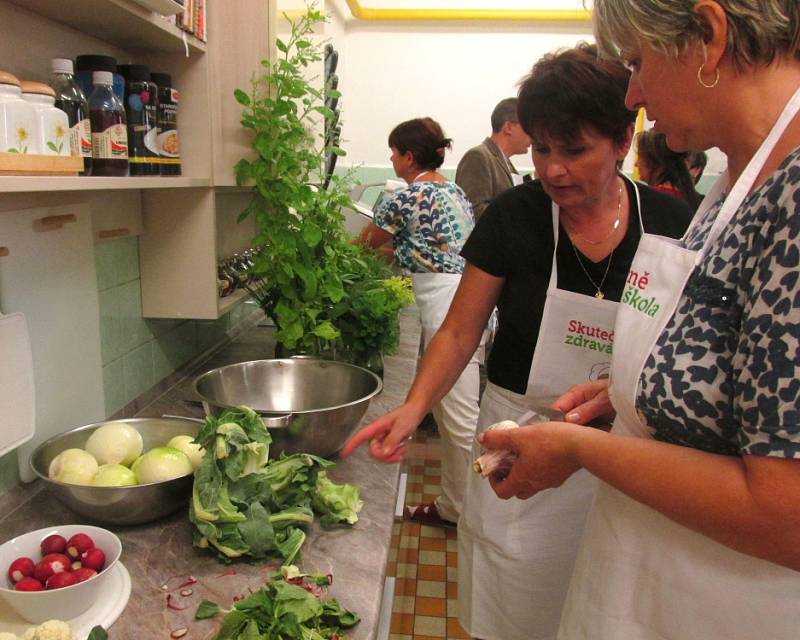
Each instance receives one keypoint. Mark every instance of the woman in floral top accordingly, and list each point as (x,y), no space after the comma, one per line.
(428,223)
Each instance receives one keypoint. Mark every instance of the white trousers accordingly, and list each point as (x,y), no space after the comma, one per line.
(456,414)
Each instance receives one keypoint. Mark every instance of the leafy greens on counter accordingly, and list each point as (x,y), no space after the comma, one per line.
(247,506)
(289,606)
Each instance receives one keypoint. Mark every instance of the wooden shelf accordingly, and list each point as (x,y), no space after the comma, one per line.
(120,22)
(31,184)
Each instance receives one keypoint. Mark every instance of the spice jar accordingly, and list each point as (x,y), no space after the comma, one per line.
(52,124)
(17,118)
(141,111)
(168,146)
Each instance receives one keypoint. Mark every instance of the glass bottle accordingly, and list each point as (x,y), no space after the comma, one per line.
(141,112)
(72,101)
(109,131)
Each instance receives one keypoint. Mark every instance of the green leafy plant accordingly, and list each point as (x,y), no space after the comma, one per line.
(322,292)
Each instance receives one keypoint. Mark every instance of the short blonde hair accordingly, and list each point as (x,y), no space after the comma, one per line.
(759,31)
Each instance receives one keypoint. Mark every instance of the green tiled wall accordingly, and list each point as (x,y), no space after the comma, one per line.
(137,353)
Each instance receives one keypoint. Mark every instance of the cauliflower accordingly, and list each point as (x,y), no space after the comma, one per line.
(50,630)
(4,635)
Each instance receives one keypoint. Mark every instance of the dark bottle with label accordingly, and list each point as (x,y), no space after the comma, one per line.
(86,65)
(109,131)
(168,146)
(72,101)
(141,112)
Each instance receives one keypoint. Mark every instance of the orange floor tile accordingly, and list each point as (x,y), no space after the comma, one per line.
(424,605)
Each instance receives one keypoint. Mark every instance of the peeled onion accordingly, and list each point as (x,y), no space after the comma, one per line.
(115,443)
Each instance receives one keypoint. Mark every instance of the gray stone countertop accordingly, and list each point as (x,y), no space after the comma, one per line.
(159,555)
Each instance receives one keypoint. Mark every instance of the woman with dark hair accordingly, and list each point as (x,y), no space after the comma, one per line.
(552,255)
(665,169)
(428,223)
(693,534)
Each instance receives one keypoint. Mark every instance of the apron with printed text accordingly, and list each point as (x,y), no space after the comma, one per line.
(639,575)
(515,557)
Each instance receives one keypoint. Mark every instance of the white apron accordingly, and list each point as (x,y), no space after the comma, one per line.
(639,575)
(515,557)
(456,414)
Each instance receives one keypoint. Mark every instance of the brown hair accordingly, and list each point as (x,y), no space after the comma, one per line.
(666,165)
(424,138)
(572,89)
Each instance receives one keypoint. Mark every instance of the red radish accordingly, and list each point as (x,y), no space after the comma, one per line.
(76,565)
(84,573)
(28,584)
(52,563)
(53,544)
(60,580)
(19,569)
(93,559)
(77,544)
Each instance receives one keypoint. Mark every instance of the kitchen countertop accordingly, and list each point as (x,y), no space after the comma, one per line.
(160,554)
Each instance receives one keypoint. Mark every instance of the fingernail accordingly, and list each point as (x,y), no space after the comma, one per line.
(572,417)
(480,437)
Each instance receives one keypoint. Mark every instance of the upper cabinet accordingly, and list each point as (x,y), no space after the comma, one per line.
(186,223)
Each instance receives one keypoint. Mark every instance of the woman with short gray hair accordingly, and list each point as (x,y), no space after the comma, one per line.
(693,533)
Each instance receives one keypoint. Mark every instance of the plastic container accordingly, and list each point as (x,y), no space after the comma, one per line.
(86,65)
(109,130)
(18,128)
(141,112)
(72,101)
(168,145)
(52,124)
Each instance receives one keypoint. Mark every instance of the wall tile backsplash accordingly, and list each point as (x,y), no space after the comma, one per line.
(137,352)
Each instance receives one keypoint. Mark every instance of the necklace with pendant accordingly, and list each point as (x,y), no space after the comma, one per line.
(614,226)
(599,294)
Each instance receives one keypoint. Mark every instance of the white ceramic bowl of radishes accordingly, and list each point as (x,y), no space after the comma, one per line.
(65,588)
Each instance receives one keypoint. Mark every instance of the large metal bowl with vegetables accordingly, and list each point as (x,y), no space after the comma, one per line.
(105,473)
(309,405)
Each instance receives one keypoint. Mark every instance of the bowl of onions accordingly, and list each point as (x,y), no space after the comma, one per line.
(56,572)
(122,472)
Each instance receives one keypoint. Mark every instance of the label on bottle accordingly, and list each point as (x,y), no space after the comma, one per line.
(111,144)
(80,139)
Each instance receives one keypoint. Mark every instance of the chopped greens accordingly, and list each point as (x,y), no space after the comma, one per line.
(289,606)
(247,506)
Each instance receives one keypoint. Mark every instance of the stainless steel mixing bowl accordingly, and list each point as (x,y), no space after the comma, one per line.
(309,405)
(119,505)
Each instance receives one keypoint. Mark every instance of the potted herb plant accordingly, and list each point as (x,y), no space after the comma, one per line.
(324,294)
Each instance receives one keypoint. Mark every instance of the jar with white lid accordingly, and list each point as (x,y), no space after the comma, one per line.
(18,128)
(53,123)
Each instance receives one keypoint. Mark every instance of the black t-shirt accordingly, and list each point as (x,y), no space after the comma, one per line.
(514,240)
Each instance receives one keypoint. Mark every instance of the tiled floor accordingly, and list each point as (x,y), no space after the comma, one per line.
(423,559)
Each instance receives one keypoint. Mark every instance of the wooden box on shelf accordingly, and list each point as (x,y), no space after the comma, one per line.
(22,164)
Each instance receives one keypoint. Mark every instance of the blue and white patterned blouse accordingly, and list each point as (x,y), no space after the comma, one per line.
(724,376)
(429,223)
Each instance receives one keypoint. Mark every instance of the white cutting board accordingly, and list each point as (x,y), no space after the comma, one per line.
(17,396)
(50,277)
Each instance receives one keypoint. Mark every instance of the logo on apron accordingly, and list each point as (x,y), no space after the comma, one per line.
(587,337)
(634,294)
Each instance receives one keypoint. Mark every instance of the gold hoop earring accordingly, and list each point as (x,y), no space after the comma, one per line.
(700,77)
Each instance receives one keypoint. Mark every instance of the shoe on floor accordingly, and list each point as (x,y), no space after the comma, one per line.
(426,514)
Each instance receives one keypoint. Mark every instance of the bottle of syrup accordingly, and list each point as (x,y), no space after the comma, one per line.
(109,130)
(71,100)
